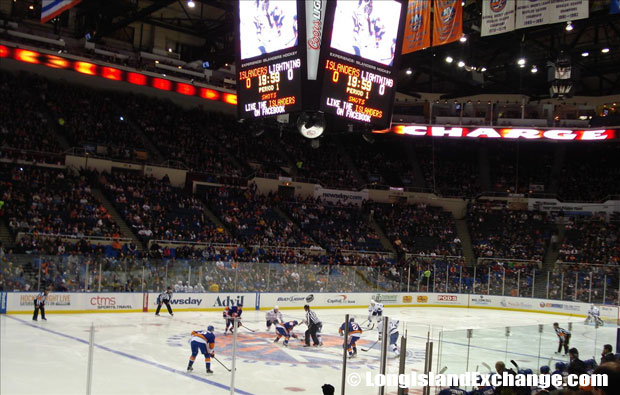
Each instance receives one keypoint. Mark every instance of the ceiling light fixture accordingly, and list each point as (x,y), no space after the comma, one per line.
(534,69)
(449,59)
(585,54)
(605,50)
(191,4)
(461,63)
(483,69)
(521,62)
(463,39)
(409,71)
(569,26)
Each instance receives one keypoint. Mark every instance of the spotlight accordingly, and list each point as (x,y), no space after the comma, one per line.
(463,39)
(169,49)
(585,54)
(569,26)
(483,69)
(461,63)
(191,4)
(534,69)
(449,59)
(605,50)
(409,71)
(521,62)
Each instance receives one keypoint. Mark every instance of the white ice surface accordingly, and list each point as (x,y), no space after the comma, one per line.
(139,353)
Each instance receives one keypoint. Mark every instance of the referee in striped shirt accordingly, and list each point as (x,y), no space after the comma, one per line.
(314,327)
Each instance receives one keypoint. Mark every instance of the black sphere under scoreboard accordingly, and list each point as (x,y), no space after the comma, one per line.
(352,76)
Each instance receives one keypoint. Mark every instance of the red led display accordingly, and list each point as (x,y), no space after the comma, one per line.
(136,79)
(4,51)
(162,84)
(112,73)
(186,89)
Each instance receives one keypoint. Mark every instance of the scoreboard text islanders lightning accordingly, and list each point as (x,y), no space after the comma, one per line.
(353,78)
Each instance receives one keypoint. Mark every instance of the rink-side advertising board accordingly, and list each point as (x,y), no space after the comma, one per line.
(71,302)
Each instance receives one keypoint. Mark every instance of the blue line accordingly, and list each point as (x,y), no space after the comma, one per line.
(135,358)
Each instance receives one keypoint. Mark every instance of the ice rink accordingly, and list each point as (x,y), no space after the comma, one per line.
(139,353)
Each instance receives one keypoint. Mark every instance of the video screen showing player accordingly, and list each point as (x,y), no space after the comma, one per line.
(267,26)
(367,28)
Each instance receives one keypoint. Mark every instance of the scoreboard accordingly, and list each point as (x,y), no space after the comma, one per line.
(360,52)
(269,59)
(354,77)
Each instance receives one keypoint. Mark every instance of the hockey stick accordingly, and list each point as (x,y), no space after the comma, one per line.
(512,361)
(373,344)
(251,330)
(443,370)
(222,364)
(486,365)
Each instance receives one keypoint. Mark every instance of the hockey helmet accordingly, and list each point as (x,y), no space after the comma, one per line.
(372,301)
(295,323)
(545,369)
(276,308)
(210,328)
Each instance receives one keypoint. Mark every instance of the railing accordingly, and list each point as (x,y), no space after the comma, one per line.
(73,238)
(426,274)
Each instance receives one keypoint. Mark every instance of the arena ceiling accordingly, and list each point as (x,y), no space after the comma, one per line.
(489,63)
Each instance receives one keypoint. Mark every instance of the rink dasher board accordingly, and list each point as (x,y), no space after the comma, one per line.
(69,302)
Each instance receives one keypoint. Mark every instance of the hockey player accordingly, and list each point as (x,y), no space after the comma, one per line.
(286,330)
(355,332)
(563,336)
(230,313)
(375,312)
(273,317)
(39,304)
(594,315)
(203,341)
(164,297)
(393,332)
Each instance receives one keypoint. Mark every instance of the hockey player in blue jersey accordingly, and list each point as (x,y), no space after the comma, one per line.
(355,332)
(229,314)
(203,341)
(285,330)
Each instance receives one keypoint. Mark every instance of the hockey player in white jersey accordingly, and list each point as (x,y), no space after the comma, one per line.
(594,315)
(375,312)
(274,317)
(393,331)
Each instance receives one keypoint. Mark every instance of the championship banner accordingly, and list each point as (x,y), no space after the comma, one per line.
(448,20)
(533,13)
(498,16)
(52,8)
(418,27)
(568,10)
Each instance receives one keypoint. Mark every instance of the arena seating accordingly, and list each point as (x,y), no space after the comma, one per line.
(94,120)
(591,240)
(158,211)
(25,130)
(253,220)
(335,226)
(51,201)
(500,232)
(419,229)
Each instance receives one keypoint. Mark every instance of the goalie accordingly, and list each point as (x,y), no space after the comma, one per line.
(594,315)
(375,313)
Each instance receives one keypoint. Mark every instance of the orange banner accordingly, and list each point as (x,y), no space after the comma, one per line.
(418,27)
(448,19)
